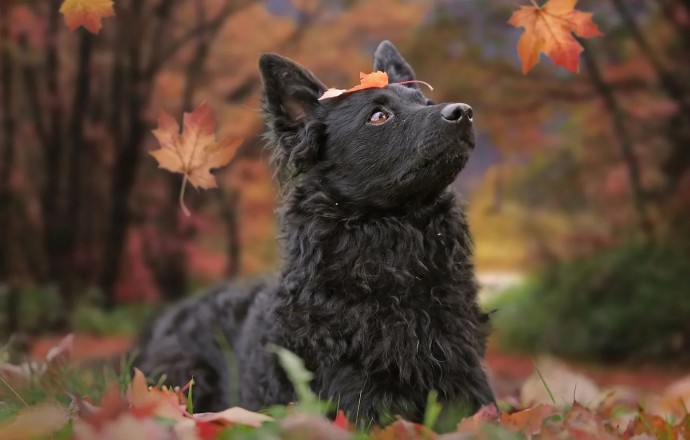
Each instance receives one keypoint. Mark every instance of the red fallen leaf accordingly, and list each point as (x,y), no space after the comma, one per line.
(161,402)
(341,421)
(487,413)
(403,430)
(113,405)
(367,81)
(583,423)
(657,427)
(208,430)
(87,13)
(528,421)
(549,29)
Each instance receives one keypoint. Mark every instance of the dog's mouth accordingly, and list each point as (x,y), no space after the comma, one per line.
(444,164)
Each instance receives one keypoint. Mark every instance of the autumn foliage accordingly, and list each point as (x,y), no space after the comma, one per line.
(136,410)
(95,100)
(86,13)
(549,29)
(194,151)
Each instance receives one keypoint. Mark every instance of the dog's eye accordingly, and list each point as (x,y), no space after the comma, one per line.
(379,117)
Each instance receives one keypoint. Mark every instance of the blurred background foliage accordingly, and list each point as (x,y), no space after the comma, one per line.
(579,185)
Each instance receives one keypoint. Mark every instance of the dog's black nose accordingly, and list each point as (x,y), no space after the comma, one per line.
(457,113)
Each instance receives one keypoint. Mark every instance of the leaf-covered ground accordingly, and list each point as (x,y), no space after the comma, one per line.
(56,398)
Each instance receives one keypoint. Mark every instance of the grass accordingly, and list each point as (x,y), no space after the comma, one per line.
(63,380)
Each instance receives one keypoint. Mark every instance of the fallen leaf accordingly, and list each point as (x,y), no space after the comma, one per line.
(528,421)
(375,80)
(15,377)
(37,421)
(125,427)
(487,413)
(554,378)
(234,416)
(583,423)
(194,151)
(112,406)
(301,426)
(341,421)
(403,430)
(145,400)
(62,352)
(549,29)
(87,13)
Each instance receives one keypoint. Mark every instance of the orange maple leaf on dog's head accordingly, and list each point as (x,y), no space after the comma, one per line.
(194,151)
(375,80)
(87,13)
(548,29)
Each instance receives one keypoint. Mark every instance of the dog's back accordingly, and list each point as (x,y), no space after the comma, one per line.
(188,340)
(377,291)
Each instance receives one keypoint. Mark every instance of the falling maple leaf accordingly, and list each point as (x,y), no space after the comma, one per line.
(194,151)
(375,80)
(549,29)
(87,13)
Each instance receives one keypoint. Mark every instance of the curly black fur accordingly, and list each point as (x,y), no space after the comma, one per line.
(377,292)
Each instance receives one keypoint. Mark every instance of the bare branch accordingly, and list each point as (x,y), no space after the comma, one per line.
(197,31)
(624,138)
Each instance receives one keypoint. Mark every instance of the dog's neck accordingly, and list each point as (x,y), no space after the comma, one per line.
(355,255)
(384,289)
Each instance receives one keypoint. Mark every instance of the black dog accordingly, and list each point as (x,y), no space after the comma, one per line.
(377,292)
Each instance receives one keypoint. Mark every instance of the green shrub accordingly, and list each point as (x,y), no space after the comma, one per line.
(123,320)
(630,303)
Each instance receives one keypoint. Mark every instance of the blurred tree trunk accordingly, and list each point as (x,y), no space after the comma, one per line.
(678,161)
(74,167)
(135,95)
(52,195)
(7,153)
(624,140)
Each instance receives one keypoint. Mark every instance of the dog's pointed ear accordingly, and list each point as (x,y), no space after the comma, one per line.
(388,59)
(291,92)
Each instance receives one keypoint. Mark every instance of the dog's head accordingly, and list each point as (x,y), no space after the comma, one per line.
(380,148)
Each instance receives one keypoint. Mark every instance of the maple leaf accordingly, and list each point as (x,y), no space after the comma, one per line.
(528,421)
(87,13)
(375,80)
(146,400)
(194,151)
(549,29)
